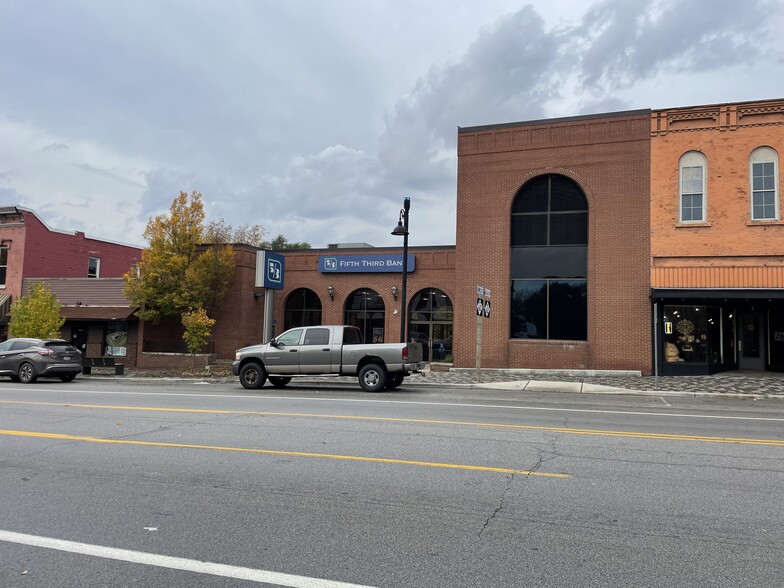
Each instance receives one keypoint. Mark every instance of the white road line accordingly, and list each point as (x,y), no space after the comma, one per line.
(414,402)
(174,563)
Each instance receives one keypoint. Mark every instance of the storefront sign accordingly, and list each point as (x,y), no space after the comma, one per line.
(269,270)
(334,264)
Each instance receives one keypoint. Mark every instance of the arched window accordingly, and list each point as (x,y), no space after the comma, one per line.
(692,191)
(303,309)
(549,260)
(764,175)
(430,323)
(365,309)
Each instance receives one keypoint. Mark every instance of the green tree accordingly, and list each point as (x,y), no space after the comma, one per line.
(198,327)
(36,315)
(176,273)
(280,243)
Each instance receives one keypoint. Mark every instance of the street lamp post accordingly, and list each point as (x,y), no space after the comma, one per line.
(402,229)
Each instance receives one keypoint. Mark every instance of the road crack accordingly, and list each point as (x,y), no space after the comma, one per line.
(509,482)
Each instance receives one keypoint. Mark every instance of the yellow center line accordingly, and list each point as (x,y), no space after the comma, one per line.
(430,464)
(565,430)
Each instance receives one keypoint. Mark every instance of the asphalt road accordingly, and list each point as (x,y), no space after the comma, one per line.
(106,483)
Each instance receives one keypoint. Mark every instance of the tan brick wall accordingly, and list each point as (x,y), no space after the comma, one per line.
(722,252)
(608,156)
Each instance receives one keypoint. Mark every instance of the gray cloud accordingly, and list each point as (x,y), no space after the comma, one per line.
(55,147)
(281,113)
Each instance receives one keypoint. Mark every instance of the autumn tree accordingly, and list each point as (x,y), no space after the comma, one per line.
(36,315)
(198,327)
(187,264)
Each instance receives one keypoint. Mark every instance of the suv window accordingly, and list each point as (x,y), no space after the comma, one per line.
(19,345)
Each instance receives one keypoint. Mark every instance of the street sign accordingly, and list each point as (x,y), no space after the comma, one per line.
(480,291)
(480,307)
(487,309)
(487,292)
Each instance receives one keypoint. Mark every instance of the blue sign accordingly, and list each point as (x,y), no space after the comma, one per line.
(336,264)
(269,270)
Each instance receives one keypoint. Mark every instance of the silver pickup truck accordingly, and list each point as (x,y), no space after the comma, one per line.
(327,351)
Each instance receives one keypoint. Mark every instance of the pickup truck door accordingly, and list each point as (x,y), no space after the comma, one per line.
(283,358)
(315,351)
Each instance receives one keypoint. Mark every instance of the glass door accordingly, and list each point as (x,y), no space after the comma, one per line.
(751,341)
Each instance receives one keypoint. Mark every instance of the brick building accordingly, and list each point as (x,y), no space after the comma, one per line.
(717,237)
(553,217)
(85,274)
(646,240)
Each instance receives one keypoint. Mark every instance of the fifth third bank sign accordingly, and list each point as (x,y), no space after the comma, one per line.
(334,264)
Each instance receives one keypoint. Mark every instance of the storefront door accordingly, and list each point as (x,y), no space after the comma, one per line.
(751,327)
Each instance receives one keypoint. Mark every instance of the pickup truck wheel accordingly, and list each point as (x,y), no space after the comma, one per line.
(372,378)
(252,376)
(279,382)
(394,380)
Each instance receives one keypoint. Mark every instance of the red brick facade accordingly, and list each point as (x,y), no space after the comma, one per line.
(608,157)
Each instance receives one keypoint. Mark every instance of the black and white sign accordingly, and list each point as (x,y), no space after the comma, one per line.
(487,309)
(480,307)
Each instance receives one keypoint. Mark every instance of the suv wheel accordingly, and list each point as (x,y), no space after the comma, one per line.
(27,373)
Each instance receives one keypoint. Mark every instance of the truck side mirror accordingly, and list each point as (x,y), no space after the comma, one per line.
(273,342)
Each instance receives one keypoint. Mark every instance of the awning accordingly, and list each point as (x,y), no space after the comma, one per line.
(5,307)
(728,293)
(99,313)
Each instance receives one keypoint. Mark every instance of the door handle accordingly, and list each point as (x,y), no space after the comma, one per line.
(325,349)
(292,350)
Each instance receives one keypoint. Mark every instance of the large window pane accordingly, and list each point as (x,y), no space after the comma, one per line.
(568,310)
(565,195)
(529,309)
(569,228)
(535,197)
(529,229)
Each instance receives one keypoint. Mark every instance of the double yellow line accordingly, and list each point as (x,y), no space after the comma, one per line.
(564,430)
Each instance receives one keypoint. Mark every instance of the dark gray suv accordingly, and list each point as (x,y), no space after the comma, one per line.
(26,360)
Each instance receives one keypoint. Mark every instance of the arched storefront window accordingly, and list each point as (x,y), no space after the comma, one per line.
(365,309)
(430,319)
(549,255)
(303,309)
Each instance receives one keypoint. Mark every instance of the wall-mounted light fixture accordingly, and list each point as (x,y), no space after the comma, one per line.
(331,292)
(394,292)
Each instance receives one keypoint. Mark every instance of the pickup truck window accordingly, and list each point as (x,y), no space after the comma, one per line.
(352,336)
(316,337)
(290,337)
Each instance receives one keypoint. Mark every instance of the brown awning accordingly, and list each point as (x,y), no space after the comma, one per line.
(5,307)
(100,313)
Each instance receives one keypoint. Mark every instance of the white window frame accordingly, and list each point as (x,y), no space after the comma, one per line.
(97,267)
(690,160)
(764,155)
(5,265)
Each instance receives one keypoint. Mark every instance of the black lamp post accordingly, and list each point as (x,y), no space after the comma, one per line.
(402,229)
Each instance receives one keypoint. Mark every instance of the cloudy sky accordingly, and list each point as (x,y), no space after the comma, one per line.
(315,118)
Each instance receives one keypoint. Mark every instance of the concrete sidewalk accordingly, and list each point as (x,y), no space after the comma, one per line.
(753,384)
(756,385)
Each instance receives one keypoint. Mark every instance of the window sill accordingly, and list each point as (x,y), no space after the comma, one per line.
(763,223)
(688,225)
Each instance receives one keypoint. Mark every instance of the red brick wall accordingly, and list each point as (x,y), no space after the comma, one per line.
(608,156)
(434,268)
(54,254)
(725,134)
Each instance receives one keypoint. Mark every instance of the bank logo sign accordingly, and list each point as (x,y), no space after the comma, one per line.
(333,264)
(269,270)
